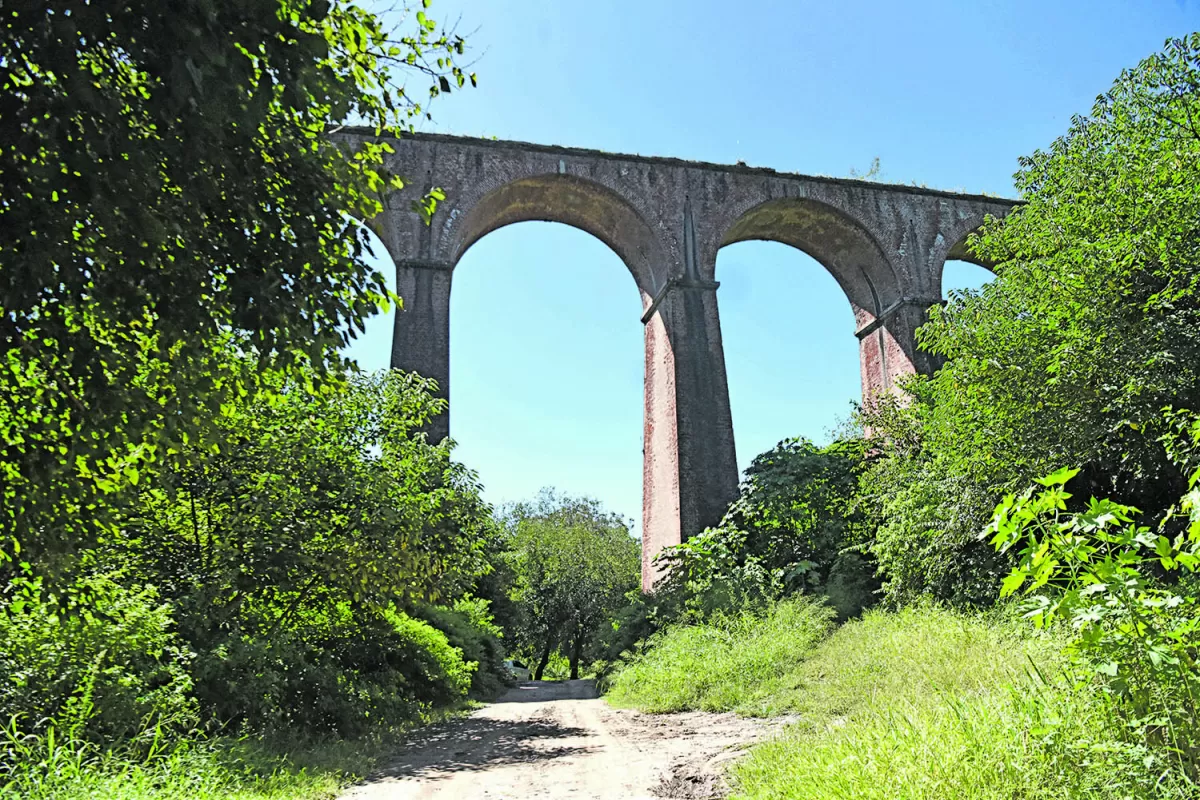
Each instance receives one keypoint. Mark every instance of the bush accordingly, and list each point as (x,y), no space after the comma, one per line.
(1136,634)
(927,543)
(428,663)
(794,523)
(468,626)
(343,675)
(731,662)
(100,660)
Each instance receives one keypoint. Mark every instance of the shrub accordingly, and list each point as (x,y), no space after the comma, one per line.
(343,674)
(797,526)
(468,626)
(431,666)
(1135,633)
(926,544)
(100,660)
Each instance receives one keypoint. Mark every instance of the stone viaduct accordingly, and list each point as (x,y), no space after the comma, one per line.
(666,219)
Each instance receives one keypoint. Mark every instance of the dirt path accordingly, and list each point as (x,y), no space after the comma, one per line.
(558,740)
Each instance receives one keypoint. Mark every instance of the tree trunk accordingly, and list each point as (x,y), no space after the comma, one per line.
(576,653)
(542,662)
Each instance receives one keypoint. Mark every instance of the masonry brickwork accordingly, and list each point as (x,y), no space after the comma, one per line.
(666,219)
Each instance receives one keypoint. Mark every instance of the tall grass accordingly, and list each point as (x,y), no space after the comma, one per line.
(734,662)
(45,766)
(923,703)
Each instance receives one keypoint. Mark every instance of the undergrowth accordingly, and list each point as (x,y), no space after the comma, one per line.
(285,767)
(921,703)
(733,662)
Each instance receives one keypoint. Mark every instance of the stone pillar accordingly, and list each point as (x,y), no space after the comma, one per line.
(421,341)
(690,468)
(887,346)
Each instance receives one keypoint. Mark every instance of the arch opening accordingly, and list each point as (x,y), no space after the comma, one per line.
(371,348)
(847,251)
(964,276)
(790,352)
(961,252)
(547,367)
(963,271)
(572,201)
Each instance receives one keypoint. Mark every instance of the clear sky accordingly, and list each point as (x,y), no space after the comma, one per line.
(546,343)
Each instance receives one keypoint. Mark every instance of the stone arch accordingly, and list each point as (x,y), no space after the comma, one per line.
(571,200)
(954,248)
(885,316)
(959,252)
(838,243)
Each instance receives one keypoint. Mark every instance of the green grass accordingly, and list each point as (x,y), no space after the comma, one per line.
(923,703)
(246,769)
(736,662)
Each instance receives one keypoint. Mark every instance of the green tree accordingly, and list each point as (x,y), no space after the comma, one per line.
(317,498)
(1091,327)
(573,564)
(794,528)
(282,568)
(169,184)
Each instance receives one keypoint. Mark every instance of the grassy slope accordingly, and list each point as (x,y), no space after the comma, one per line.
(924,703)
(734,663)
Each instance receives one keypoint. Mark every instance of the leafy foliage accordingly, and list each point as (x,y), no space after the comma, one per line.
(470,627)
(343,673)
(1096,569)
(99,663)
(266,586)
(169,184)
(572,565)
(1089,330)
(206,515)
(790,530)
(316,498)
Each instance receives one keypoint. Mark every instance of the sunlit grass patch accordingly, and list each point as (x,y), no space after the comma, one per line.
(923,703)
(1027,742)
(44,767)
(736,662)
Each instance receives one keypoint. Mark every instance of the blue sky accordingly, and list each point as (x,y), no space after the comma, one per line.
(546,343)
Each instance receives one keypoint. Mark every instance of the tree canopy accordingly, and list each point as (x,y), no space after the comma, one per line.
(169,190)
(572,564)
(1069,357)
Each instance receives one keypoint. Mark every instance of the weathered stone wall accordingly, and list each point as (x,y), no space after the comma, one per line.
(666,219)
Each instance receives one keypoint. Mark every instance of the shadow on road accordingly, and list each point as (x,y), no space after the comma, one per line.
(476,743)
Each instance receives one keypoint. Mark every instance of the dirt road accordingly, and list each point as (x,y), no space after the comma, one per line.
(558,740)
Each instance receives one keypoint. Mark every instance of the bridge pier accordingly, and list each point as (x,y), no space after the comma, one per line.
(690,471)
(421,335)
(887,346)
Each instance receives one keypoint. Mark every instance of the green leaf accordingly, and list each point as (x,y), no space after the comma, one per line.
(1058,477)
(1013,582)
